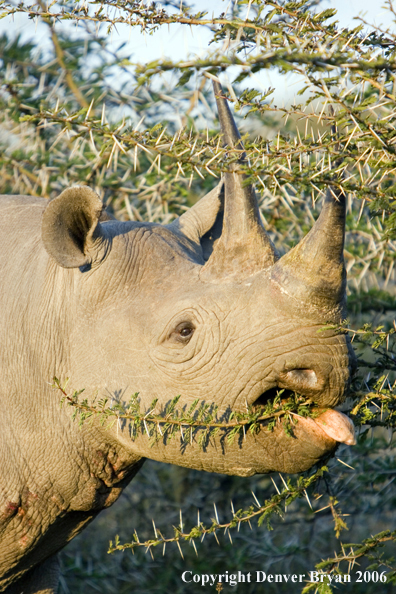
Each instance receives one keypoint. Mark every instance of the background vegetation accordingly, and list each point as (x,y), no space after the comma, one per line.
(79,110)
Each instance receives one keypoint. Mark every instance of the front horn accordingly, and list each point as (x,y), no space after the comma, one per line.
(244,247)
(313,272)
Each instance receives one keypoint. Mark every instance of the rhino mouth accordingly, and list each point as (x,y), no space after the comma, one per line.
(329,421)
(270,395)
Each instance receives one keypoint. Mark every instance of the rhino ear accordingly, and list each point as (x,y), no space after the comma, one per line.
(70,224)
(200,218)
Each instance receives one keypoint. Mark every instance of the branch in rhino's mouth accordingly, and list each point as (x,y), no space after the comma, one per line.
(202,418)
(199,419)
(333,423)
(276,395)
(282,405)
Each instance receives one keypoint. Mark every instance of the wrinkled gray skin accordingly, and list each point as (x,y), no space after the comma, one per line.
(124,307)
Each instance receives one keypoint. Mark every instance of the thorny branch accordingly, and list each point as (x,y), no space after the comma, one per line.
(199,417)
(262,512)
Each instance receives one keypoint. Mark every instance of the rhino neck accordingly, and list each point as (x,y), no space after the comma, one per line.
(36,309)
(83,470)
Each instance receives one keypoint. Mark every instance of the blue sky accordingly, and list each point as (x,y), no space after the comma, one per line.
(178,42)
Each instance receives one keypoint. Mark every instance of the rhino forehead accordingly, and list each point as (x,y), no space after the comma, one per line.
(138,261)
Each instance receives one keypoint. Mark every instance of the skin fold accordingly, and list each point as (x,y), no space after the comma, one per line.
(202,308)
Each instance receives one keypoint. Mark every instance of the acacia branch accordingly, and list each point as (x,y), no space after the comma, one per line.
(263,512)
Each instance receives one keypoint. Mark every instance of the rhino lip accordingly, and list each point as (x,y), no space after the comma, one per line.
(330,422)
(337,426)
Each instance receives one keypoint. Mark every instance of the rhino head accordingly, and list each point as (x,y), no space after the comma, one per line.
(204,308)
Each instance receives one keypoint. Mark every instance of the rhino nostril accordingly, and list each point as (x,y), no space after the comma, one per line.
(303,377)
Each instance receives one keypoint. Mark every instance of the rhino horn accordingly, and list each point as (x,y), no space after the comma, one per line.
(244,247)
(313,272)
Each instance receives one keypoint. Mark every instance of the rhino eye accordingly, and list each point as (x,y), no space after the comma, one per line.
(183,332)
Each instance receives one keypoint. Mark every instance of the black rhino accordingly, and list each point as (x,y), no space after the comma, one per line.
(202,307)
